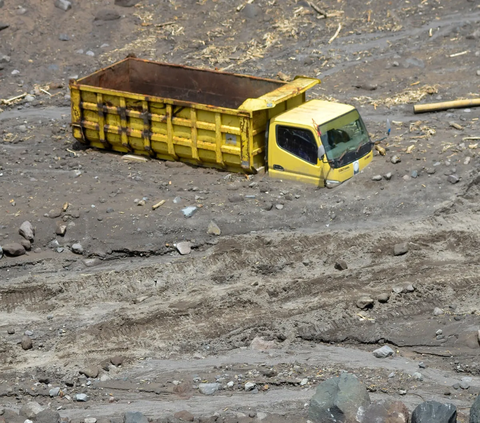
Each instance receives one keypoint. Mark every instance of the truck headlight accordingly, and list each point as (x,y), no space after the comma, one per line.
(329,183)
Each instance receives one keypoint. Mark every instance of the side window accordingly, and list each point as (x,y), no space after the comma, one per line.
(299,142)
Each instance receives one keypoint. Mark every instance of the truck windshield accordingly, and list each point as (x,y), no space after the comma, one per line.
(345,139)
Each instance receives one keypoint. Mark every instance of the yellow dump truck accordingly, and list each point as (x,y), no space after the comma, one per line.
(208,118)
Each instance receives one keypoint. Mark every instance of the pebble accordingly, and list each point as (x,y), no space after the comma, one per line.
(90,420)
(431,170)
(15,72)
(364,302)
(117,360)
(377,178)
(77,248)
(464,384)
(279,206)
(230,384)
(11,331)
(422,365)
(126,3)
(64,37)
(383,352)
(54,392)
(437,311)
(417,376)
(63,4)
(189,211)
(208,388)
(400,249)
(341,265)
(406,178)
(27,343)
(90,53)
(213,229)
(250,386)
(1,252)
(395,159)
(383,298)
(81,397)
(414,174)
(388,176)
(184,247)
(453,179)
(26,244)
(107,15)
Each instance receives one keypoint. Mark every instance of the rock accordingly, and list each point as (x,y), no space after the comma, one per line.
(126,3)
(29,98)
(14,249)
(54,392)
(434,412)
(437,311)
(61,228)
(184,416)
(417,376)
(414,174)
(268,206)
(367,86)
(383,352)
(383,298)
(236,198)
(11,331)
(377,178)
(189,211)
(77,248)
(208,388)
(81,397)
(388,176)
(26,343)
(341,265)
(364,302)
(63,4)
(1,252)
(3,26)
(107,15)
(213,229)
(400,249)
(117,360)
(250,386)
(184,247)
(92,54)
(27,231)
(339,399)
(26,244)
(90,420)
(54,213)
(4,58)
(395,159)
(453,179)
(31,409)
(134,417)
(475,411)
(64,37)
(47,416)
(90,372)
(386,411)
(259,344)
(279,206)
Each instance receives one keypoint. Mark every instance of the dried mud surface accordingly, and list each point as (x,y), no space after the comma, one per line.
(180,320)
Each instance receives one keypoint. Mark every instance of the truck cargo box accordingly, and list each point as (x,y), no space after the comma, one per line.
(173,112)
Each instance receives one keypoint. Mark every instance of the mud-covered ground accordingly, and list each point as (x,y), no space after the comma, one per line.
(263,301)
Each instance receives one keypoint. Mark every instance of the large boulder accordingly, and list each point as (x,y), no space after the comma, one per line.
(434,412)
(386,411)
(475,411)
(339,400)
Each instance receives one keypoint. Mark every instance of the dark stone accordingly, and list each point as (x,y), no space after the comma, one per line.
(434,412)
(107,15)
(386,411)
(134,417)
(47,416)
(26,244)
(237,198)
(27,343)
(475,411)
(338,400)
(14,249)
(126,3)
(3,26)
(341,265)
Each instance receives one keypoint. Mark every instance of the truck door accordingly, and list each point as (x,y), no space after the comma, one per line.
(293,154)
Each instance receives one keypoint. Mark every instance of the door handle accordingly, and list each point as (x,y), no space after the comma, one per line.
(277,167)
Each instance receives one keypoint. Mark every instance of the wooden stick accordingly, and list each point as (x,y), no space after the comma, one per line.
(164,24)
(317,9)
(470,138)
(18,97)
(159,204)
(456,104)
(336,33)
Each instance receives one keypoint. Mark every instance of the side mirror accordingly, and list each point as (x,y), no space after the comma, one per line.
(321,152)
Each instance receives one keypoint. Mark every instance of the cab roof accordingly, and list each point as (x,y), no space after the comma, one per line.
(320,111)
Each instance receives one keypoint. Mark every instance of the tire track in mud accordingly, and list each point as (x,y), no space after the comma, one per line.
(187,306)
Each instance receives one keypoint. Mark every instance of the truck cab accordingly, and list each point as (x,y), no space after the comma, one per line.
(319,142)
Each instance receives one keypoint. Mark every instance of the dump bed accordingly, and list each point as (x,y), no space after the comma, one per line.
(174,112)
